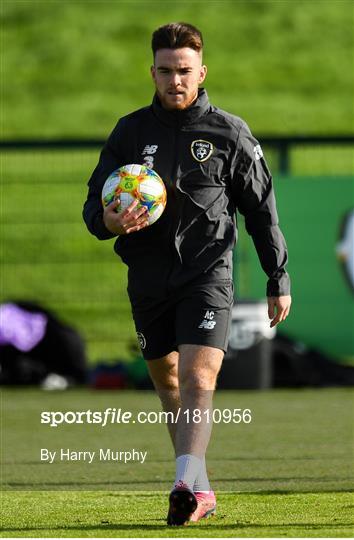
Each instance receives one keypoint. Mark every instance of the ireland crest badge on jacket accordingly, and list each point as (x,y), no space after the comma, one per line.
(201,150)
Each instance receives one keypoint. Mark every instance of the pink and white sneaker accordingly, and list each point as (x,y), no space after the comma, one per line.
(206,505)
(183,503)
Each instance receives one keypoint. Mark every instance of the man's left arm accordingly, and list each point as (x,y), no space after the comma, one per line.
(254,198)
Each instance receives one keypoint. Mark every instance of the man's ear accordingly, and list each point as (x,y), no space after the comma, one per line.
(153,72)
(202,74)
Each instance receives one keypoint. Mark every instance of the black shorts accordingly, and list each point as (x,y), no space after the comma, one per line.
(198,314)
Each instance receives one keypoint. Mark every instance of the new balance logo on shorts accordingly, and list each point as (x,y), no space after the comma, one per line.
(208,323)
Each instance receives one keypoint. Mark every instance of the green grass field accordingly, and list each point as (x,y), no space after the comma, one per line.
(287,473)
(136,515)
(283,66)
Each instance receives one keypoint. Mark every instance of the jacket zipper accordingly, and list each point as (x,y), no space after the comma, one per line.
(175,161)
(174,187)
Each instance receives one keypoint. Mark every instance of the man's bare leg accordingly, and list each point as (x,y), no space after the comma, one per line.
(186,381)
(198,370)
(191,375)
(164,374)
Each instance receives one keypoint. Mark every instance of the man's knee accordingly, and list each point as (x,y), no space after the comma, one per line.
(199,367)
(164,372)
(204,379)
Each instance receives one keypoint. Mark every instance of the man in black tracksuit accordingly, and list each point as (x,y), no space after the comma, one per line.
(180,268)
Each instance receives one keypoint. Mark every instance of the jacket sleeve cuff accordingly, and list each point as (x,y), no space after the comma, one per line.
(279,286)
(100,230)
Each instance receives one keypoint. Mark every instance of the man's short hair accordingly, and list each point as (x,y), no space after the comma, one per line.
(176,36)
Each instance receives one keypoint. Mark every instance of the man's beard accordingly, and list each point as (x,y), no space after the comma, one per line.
(177,106)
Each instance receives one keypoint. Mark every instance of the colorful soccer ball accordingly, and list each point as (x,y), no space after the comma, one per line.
(132,182)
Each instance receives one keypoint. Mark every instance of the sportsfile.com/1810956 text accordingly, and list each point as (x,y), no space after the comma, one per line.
(118,416)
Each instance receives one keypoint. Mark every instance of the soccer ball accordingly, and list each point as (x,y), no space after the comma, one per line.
(132,182)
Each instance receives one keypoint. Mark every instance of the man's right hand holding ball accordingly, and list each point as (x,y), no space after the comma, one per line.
(126,222)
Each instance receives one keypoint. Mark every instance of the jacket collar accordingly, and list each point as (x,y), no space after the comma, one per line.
(187,116)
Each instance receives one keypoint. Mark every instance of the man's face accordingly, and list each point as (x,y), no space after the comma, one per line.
(177,74)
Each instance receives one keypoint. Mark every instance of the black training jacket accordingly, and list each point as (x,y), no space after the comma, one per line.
(211,166)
